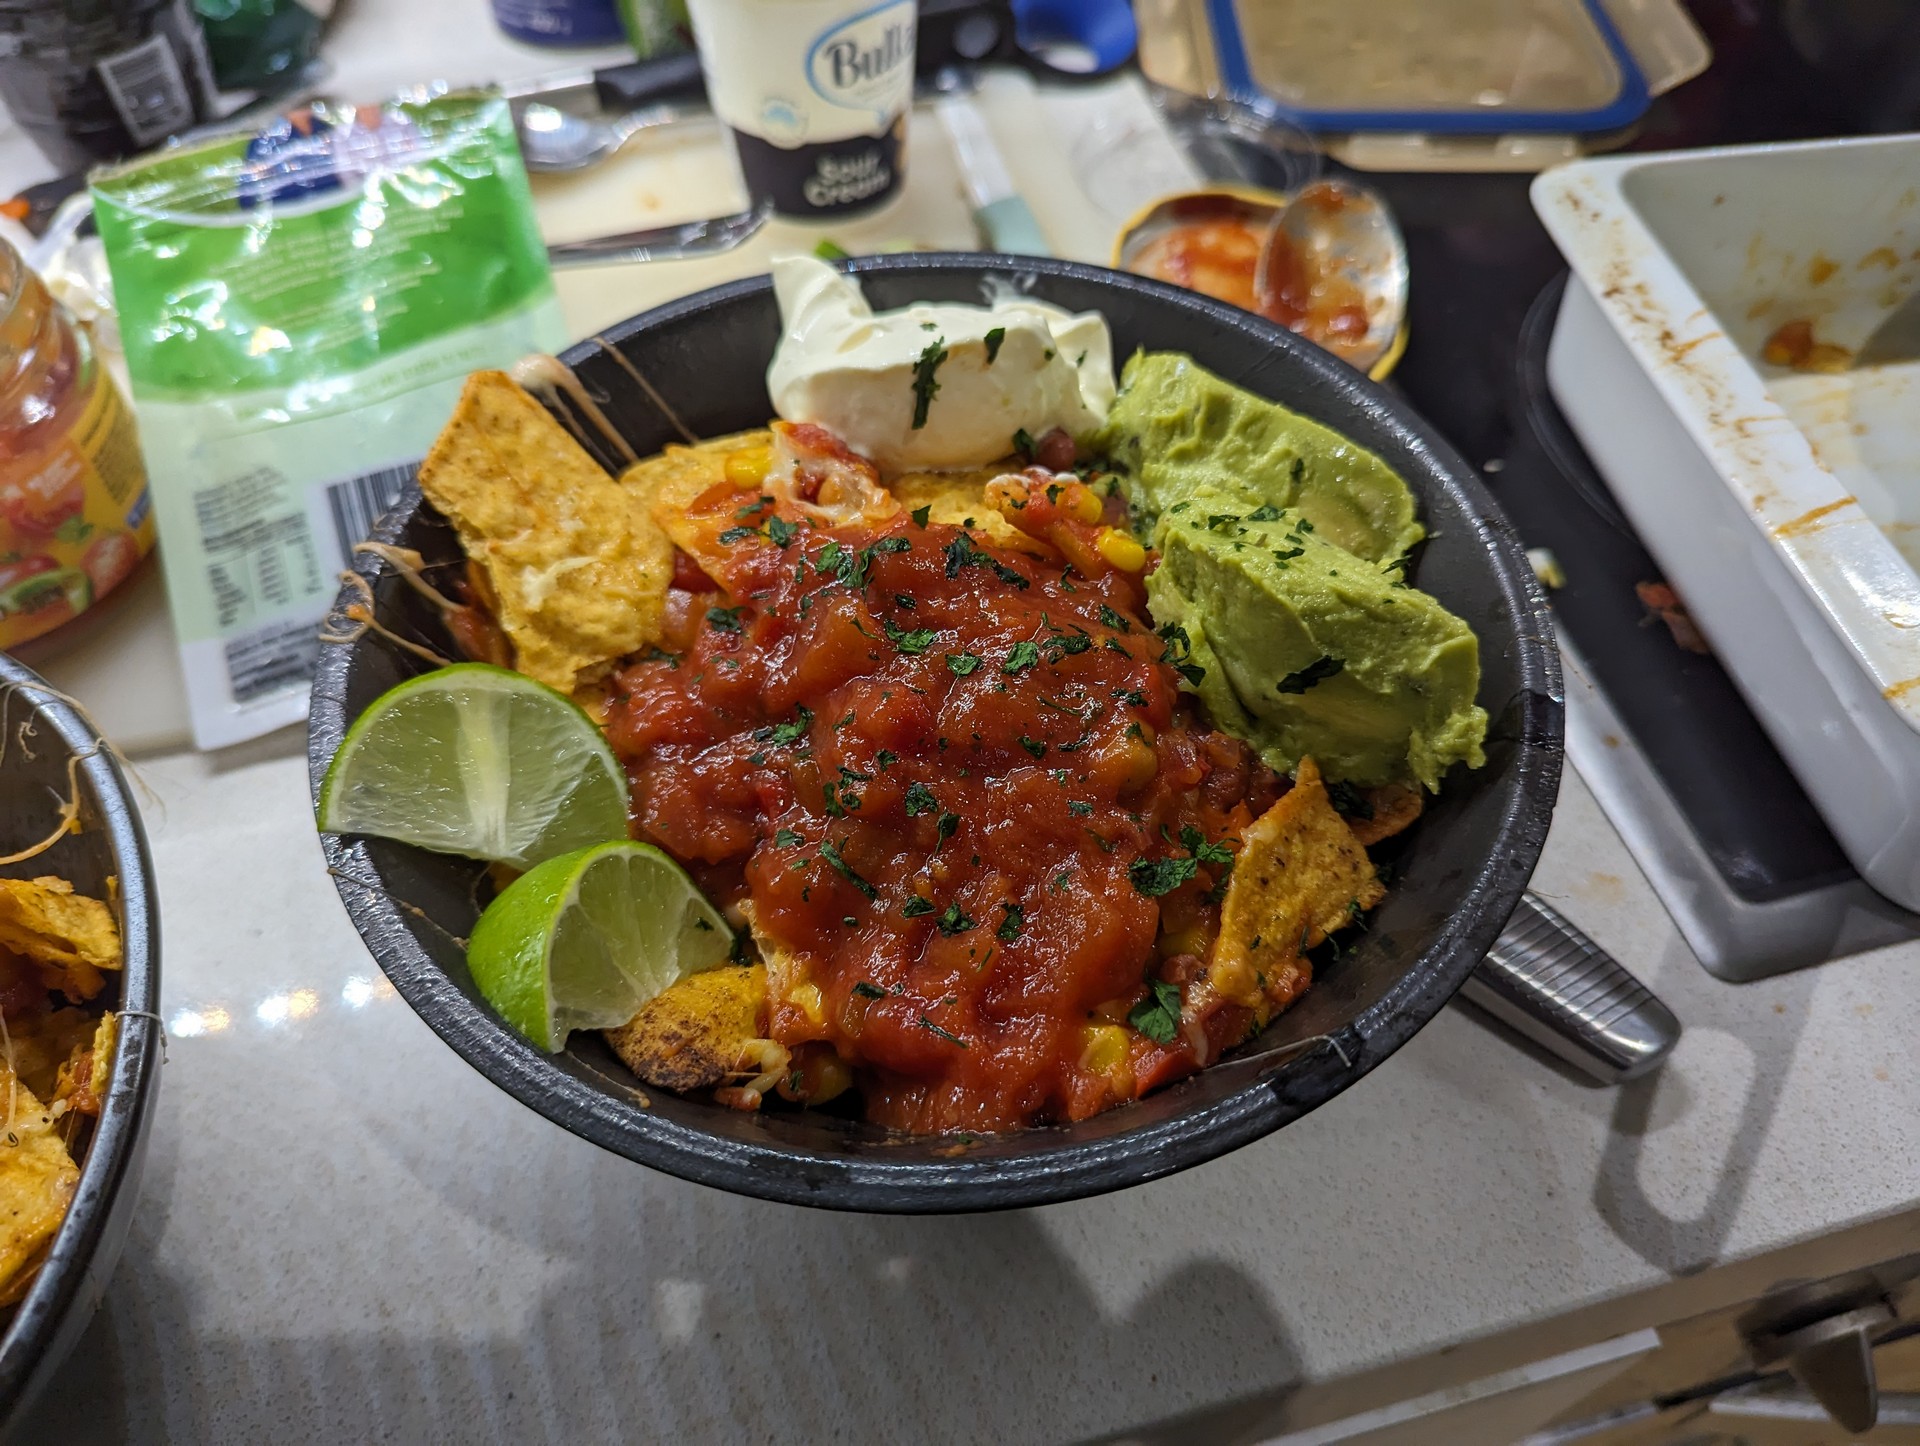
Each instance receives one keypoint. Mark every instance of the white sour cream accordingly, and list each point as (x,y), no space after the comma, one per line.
(842,367)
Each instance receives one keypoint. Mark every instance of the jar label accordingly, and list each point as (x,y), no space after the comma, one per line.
(74,520)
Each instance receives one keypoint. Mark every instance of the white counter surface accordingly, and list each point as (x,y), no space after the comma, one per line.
(347,1235)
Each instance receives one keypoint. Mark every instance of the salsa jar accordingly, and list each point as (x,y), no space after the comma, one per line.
(75,519)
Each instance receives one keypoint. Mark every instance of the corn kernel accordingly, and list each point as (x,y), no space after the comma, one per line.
(1106,1048)
(1120,550)
(807,999)
(1083,505)
(1191,940)
(747,468)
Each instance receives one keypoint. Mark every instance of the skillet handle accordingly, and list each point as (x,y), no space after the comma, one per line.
(1564,992)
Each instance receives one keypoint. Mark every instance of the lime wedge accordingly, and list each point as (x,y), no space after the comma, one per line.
(582,941)
(477,760)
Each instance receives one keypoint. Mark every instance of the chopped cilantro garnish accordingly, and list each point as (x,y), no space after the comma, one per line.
(868,990)
(1063,645)
(953,921)
(896,543)
(1131,695)
(915,906)
(1011,926)
(932,1028)
(1348,801)
(792,732)
(1158,1015)
(1221,519)
(781,531)
(925,388)
(1154,877)
(1024,655)
(885,759)
(919,799)
(1265,512)
(830,851)
(1023,443)
(961,664)
(727,620)
(1298,471)
(921,514)
(1117,621)
(1207,853)
(1061,880)
(909,641)
(1033,746)
(1079,808)
(1285,555)
(993,339)
(1316,671)
(786,838)
(759,504)
(944,829)
(735,534)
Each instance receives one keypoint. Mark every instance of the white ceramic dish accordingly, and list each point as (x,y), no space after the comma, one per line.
(1783,506)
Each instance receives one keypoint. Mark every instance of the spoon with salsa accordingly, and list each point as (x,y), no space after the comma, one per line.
(1327,263)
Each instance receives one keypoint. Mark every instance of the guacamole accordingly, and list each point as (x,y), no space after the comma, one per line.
(1176,428)
(1281,578)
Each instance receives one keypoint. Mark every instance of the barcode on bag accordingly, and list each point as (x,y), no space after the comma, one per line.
(271,657)
(148,90)
(359,502)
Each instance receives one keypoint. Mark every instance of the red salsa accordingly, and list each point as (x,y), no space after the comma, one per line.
(958,792)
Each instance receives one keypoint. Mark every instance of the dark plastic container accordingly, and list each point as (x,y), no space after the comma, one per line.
(96,81)
(1462,867)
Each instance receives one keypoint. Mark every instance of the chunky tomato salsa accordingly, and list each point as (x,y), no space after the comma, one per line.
(956,789)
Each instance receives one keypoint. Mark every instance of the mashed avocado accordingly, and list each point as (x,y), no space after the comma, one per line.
(1176,429)
(1308,649)
(1282,552)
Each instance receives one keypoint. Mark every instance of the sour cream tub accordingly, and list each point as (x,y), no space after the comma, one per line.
(1783,506)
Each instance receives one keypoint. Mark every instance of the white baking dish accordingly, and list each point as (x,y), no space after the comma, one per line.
(1777,503)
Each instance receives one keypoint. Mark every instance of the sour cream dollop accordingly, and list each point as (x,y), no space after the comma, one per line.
(864,376)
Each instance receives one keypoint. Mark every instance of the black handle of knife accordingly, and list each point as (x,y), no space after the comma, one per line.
(623,88)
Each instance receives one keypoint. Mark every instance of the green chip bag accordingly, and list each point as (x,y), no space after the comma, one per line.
(299,307)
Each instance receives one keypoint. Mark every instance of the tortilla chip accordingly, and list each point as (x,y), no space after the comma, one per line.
(45,1043)
(70,936)
(693,1035)
(81,1084)
(37,1180)
(668,484)
(957,497)
(578,567)
(1395,807)
(1300,875)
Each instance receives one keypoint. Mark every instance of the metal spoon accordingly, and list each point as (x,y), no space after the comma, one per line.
(552,139)
(663,243)
(1345,233)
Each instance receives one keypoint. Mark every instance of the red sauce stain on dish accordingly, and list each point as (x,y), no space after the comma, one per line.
(1220,258)
(926,762)
(1794,345)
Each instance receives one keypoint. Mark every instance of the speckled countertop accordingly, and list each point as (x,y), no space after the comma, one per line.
(347,1235)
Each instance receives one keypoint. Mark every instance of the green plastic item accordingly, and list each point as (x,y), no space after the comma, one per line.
(261,44)
(299,309)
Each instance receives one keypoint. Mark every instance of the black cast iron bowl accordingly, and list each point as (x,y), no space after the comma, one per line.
(111,846)
(1463,868)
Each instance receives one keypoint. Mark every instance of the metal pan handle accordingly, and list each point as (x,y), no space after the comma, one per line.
(1564,992)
